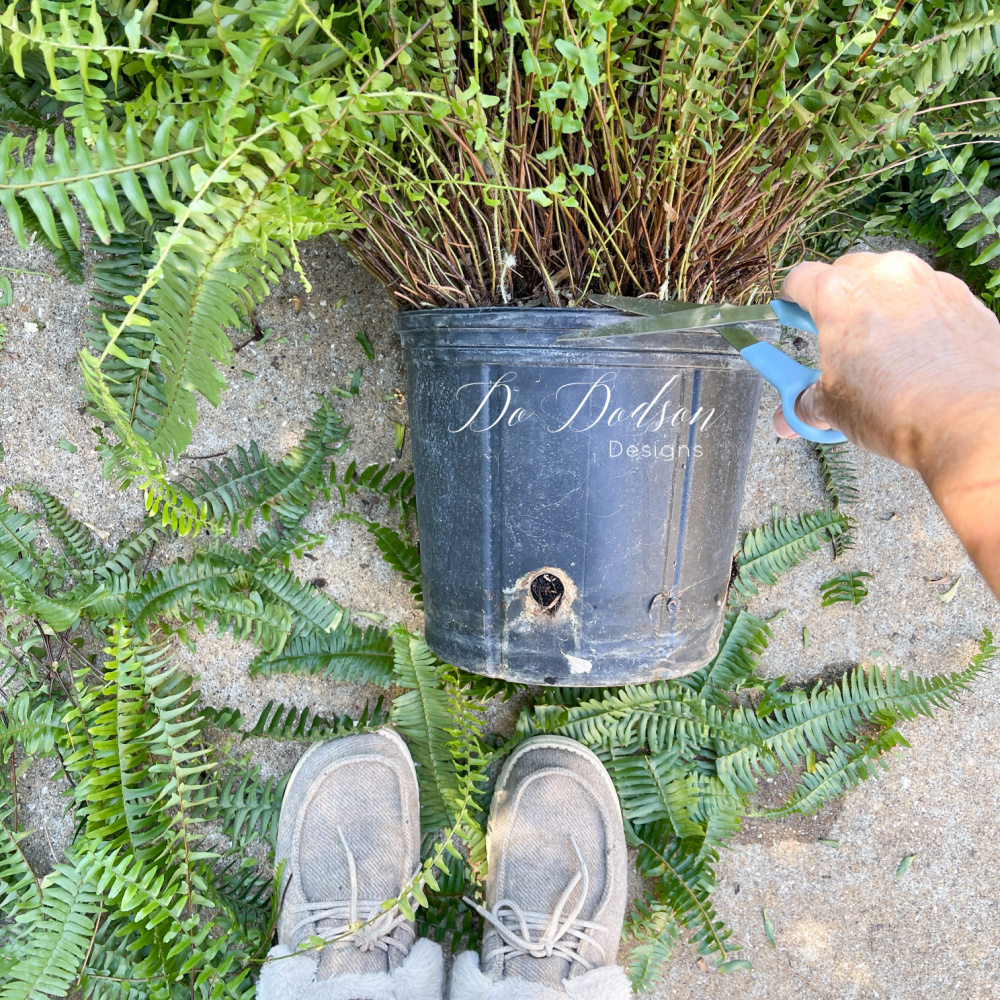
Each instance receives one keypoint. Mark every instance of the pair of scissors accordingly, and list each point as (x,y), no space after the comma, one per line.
(787,376)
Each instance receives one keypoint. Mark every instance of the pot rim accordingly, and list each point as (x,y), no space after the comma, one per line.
(501,328)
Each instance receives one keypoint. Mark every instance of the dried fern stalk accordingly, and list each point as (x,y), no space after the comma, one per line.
(676,149)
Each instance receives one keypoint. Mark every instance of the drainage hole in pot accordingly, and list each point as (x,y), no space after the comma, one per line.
(547,589)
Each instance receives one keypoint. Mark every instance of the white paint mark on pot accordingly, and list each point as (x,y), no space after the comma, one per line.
(578,665)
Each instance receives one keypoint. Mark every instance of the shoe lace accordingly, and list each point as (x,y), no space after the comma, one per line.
(560,937)
(372,930)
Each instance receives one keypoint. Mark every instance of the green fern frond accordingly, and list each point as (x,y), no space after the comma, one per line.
(301,474)
(656,933)
(78,542)
(471,762)
(20,887)
(684,885)
(110,970)
(398,489)
(446,917)
(166,943)
(443,727)
(830,715)
(657,787)
(249,808)
(657,717)
(205,588)
(840,482)
(115,786)
(481,689)
(132,376)
(964,207)
(235,491)
(18,530)
(346,653)
(278,545)
(744,638)
(692,806)
(174,734)
(267,625)
(59,939)
(846,588)
(396,551)
(17,107)
(205,286)
(144,783)
(174,590)
(773,550)
(25,579)
(720,811)
(423,716)
(245,894)
(840,479)
(69,257)
(909,204)
(124,561)
(90,172)
(287,723)
(834,777)
(310,608)
(32,719)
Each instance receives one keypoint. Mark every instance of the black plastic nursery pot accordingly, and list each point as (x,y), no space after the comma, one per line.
(578,503)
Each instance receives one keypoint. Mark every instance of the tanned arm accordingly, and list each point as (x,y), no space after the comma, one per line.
(911,371)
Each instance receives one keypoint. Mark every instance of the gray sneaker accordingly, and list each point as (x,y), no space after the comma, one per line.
(349,835)
(556,888)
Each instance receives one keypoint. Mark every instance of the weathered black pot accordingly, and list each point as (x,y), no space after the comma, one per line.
(578,504)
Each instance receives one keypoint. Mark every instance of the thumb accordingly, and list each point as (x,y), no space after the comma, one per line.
(808,409)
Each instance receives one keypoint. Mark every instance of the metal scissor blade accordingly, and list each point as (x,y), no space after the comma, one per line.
(642,307)
(737,336)
(689,318)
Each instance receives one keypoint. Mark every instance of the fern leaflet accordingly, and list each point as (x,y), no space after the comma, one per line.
(346,653)
(848,588)
(744,638)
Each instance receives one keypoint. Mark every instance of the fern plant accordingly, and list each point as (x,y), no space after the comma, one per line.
(140,903)
(473,157)
(935,198)
(141,897)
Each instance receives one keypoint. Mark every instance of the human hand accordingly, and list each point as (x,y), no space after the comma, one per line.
(907,353)
(911,370)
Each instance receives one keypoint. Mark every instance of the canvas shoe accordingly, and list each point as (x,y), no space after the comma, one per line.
(349,836)
(556,885)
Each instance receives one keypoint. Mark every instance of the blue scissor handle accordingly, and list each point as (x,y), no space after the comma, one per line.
(789,314)
(790,379)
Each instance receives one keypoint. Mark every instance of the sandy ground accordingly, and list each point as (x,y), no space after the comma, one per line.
(845,927)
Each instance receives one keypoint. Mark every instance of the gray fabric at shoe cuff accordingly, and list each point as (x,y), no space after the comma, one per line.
(421,977)
(287,976)
(607,982)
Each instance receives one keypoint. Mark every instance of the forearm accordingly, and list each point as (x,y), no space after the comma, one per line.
(962,471)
